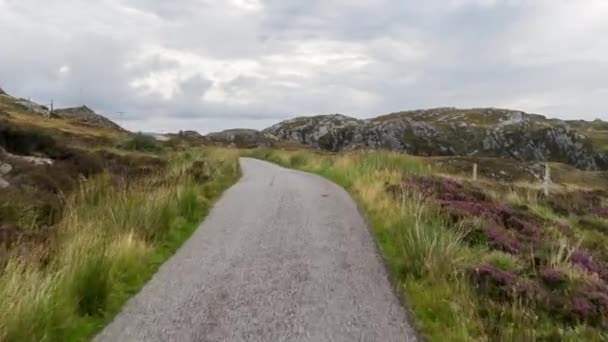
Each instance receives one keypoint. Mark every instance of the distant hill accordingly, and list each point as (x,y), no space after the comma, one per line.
(76,118)
(483,132)
(86,116)
(245,138)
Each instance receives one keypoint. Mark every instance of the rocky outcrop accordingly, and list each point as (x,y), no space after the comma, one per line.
(4,170)
(34,107)
(243,138)
(330,132)
(485,132)
(85,116)
(2,92)
(190,134)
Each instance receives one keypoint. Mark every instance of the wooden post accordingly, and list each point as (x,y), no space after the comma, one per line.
(547,179)
(475,172)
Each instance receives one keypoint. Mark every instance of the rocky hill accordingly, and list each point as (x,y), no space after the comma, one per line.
(86,116)
(485,132)
(244,138)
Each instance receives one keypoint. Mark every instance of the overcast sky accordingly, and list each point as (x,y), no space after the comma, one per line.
(217,64)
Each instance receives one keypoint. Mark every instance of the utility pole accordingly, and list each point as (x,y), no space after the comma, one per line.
(475,172)
(547,184)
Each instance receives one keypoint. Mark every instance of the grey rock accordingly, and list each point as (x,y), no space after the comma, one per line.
(246,138)
(331,132)
(86,116)
(3,183)
(34,107)
(483,132)
(37,160)
(5,168)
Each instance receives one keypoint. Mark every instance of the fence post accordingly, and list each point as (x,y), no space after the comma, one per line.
(547,184)
(475,172)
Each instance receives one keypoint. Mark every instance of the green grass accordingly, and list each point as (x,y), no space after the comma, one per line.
(112,239)
(142,143)
(420,248)
(430,256)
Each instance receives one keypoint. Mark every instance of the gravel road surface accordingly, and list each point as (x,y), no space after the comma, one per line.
(283,256)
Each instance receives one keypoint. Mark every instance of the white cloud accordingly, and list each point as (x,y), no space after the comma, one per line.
(217,64)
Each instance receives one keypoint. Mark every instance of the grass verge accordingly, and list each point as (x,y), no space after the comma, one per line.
(113,237)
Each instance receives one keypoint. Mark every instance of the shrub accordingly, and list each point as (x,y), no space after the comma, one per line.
(20,141)
(298,160)
(143,143)
(91,284)
(200,171)
(187,205)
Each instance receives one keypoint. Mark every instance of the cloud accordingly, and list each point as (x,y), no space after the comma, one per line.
(209,64)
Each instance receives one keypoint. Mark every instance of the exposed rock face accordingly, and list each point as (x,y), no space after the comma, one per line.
(487,132)
(245,138)
(330,132)
(2,92)
(34,107)
(190,134)
(86,116)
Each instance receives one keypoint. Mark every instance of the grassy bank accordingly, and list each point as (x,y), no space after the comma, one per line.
(113,235)
(482,261)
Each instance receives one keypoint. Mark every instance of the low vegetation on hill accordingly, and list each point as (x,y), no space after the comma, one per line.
(488,260)
(88,212)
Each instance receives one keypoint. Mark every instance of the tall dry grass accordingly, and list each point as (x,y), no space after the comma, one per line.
(429,257)
(111,240)
(421,249)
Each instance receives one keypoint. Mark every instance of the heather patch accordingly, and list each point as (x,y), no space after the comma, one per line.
(544,288)
(507,228)
(601,212)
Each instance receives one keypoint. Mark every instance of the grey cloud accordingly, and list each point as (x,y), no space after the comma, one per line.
(226,66)
(195,86)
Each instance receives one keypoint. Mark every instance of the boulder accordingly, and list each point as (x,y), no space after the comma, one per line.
(5,168)
(3,183)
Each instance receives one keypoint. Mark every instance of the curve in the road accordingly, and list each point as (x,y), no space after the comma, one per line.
(283,256)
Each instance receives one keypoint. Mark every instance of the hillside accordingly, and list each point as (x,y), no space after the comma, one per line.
(76,126)
(88,211)
(485,132)
(85,116)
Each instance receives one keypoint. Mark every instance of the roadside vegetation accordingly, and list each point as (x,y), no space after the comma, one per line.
(88,212)
(74,252)
(486,260)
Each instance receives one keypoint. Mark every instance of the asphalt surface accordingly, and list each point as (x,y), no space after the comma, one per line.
(283,256)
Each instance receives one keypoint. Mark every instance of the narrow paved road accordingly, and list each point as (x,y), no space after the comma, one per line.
(283,256)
